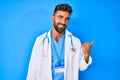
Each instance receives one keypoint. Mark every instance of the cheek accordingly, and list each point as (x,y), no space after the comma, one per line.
(67,22)
(55,21)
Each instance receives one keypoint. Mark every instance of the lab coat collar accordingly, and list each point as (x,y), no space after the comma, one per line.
(67,33)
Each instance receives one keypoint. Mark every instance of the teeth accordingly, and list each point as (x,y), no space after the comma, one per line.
(61,25)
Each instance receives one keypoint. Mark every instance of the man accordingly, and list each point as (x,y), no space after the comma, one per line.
(57,54)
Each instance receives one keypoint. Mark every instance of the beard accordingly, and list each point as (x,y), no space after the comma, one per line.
(58,29)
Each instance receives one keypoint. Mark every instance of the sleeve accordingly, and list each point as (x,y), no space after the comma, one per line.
(83,65)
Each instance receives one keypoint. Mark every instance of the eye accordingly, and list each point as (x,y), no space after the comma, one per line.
(60,17)
(67,19)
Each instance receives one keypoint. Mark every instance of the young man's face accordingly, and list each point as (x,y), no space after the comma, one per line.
(60,20)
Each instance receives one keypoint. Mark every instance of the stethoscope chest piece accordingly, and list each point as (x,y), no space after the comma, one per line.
(73,49)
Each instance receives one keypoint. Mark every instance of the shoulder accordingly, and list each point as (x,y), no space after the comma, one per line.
(76,39)
(40,37)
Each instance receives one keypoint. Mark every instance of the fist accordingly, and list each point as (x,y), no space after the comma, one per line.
(86,49)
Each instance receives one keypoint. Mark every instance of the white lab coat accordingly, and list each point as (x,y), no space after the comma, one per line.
(40,66)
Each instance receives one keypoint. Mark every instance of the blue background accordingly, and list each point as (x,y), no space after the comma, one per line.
(21,21)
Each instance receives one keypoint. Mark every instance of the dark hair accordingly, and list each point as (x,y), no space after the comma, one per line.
(63,7)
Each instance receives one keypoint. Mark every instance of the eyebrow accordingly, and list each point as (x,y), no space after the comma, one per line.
(63,16)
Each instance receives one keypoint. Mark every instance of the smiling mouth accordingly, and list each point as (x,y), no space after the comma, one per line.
(61,25)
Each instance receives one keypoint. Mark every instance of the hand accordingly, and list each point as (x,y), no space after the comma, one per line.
(86,50)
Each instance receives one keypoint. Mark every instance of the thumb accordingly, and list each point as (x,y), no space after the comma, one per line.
(91,43)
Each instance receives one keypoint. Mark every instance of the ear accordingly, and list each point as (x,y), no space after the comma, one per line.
(52,18)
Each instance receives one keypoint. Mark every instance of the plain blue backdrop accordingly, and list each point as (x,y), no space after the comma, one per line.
(21,21)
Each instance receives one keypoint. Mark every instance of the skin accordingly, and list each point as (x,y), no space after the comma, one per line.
(60,21)
(86,50)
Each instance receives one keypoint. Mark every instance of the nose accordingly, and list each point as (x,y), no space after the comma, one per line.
(63,21)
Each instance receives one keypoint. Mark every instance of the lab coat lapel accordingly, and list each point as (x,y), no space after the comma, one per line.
(68,57)
(46,72)
(50,55)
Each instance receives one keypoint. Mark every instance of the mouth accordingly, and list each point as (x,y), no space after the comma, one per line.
(61,26)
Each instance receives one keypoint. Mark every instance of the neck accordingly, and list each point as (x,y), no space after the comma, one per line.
(56,35)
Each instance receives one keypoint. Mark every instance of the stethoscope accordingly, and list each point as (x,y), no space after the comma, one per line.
(46,42)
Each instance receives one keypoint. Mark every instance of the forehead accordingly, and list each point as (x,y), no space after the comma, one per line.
(62,13)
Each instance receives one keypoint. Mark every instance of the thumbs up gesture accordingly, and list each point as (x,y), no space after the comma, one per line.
(86,50)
